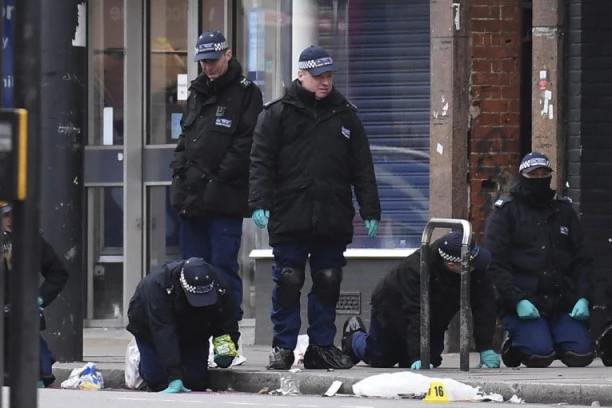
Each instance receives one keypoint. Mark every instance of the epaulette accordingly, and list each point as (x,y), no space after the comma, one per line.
(272,102)
(352,106)
(500,202)
(245,82)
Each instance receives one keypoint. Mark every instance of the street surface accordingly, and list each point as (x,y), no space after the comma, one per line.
(57,398)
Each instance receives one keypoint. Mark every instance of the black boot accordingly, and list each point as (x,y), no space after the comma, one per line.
(281,359)
(510,356)
(317,357)
(352,325)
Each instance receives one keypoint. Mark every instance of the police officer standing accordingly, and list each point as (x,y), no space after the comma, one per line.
(395,330)
(542,269)
(55,276)
(309,149)
(210,171)
(173,313)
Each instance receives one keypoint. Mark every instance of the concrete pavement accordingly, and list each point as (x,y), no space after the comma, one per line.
(556,384)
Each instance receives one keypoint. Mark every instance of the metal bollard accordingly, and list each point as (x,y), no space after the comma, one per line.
(464,307)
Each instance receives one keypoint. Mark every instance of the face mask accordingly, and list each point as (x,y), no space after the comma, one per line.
(538,188)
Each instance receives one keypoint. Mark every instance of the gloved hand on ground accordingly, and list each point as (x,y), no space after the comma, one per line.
(417,365)
(489,358)
(175,387)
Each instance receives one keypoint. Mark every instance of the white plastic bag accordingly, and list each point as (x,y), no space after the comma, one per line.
(391,385)
(133,379)
(300,349)
(85,378)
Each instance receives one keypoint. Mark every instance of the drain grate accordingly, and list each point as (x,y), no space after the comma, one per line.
(349,303)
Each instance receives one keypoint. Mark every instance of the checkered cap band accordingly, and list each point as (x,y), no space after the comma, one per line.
(198,290)
(456,259)
(315,63)
(535,162)
(211,47)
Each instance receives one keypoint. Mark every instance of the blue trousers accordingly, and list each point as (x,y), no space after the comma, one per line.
(541,337)
(46,359)
(216,241)
(194,360)
(321,318)
(383,348)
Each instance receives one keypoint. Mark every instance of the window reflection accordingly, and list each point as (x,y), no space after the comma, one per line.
(167,61)
(381,49)
(107,70)
(162,228)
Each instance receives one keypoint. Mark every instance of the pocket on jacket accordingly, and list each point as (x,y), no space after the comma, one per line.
(291,211)
(336,215)
(226,199)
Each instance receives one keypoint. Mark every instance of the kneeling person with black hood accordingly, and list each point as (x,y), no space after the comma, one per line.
(395,336)
(172,315)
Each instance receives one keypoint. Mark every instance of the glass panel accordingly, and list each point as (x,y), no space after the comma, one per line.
(106,126)
(381,50)
(108,290)
(167,61)
(105,231)
(162,228)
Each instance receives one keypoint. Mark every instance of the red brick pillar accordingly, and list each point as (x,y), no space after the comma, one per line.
(495,40)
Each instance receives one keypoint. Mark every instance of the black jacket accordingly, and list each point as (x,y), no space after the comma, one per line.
(306,156)
(160,315)
(210,171)
(53,271)
(538,254)
(396,301)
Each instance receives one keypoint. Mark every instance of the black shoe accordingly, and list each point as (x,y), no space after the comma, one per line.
(281,359)
(510,356)
(324,358)
(352,325)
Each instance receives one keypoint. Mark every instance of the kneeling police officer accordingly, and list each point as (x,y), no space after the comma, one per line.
(172,315)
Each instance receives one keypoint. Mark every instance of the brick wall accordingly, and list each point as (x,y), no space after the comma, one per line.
(589,103)
(494,144)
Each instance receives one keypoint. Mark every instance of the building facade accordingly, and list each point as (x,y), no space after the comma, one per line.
(451,94)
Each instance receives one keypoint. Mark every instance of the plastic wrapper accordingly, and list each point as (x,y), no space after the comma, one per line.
(85,378)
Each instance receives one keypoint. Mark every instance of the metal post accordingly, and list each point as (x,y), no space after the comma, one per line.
(63,109)
(464,307)
(24,343)
(2,301)
(2,17)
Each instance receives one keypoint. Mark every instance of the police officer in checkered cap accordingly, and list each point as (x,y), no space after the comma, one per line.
(173,313)
(309,150)
(210,170)
(394,336)
(541,267)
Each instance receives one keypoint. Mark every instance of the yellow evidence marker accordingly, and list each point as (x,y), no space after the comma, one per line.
(437,393)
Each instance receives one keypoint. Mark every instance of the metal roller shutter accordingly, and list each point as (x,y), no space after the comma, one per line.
(383,49)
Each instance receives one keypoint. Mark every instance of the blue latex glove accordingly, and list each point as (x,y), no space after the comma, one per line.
(417,365)
(581,310)
(372,226)
(488,358)
(40,306)
(175,387)
(260,217)
(526,310)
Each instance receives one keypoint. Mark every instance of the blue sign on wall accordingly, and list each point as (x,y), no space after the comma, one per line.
(8,15)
